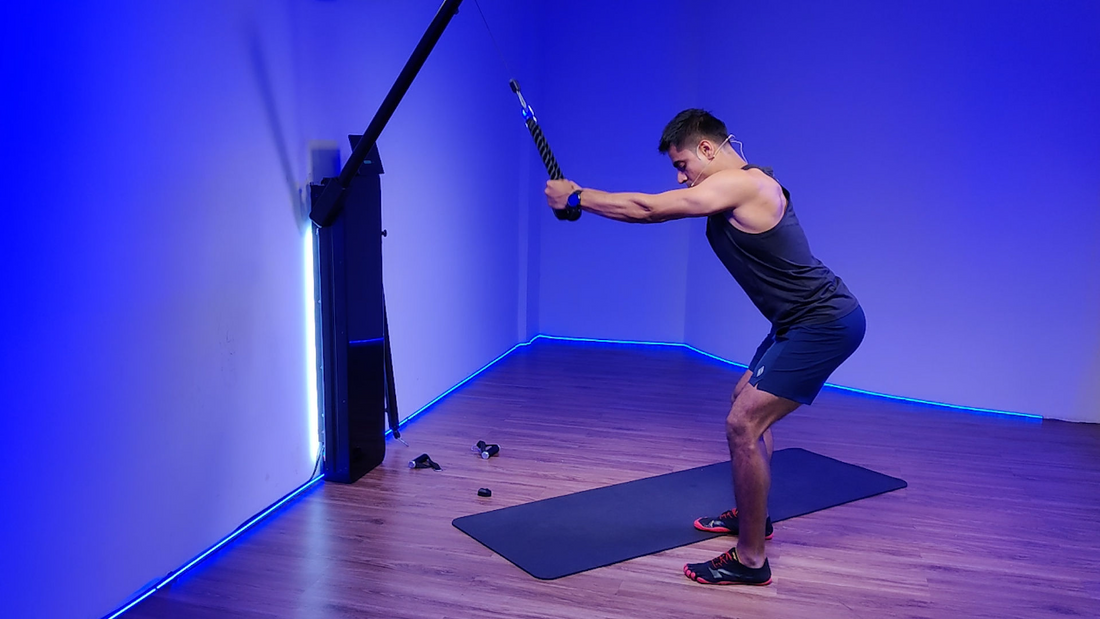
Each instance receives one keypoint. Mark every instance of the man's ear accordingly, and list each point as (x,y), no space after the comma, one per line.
(708,149)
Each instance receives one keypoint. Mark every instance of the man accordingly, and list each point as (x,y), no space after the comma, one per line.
(816,322)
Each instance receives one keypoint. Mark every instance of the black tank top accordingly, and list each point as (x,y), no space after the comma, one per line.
(778,272)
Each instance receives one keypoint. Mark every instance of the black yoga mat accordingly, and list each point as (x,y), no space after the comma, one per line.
(568,534)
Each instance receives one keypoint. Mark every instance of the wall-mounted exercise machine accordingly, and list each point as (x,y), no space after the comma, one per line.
(357,369)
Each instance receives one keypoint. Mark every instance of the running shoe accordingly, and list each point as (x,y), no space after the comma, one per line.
(726,522)
(727,570)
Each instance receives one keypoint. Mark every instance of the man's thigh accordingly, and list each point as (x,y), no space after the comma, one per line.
(755,410)
(744,380)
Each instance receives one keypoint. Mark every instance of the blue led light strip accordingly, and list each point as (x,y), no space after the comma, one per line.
(463,382)
(232,536)
(841,387)
(888,396)
(422,409)
(600,341)
(716,358)
(969,409)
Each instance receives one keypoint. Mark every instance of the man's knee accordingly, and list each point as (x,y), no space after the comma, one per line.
(741,427)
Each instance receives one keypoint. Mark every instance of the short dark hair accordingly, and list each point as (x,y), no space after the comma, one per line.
(689,125)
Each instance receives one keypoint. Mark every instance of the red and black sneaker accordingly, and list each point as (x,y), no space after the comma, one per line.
(726,522)
(727,570)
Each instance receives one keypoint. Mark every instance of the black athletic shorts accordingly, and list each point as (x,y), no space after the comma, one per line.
(795,362)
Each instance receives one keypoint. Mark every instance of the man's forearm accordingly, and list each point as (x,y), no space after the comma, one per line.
(622,206)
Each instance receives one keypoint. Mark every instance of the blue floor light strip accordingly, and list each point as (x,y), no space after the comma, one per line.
(232,536)
(601,341)
(972,409)
(510,351)
(235,534)
(558,338)
(715,357)
(404,421)
(969,409)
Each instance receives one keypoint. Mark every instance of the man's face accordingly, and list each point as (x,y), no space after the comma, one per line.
(688,163)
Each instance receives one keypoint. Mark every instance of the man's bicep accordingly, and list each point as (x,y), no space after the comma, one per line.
(681,203)
(709,198)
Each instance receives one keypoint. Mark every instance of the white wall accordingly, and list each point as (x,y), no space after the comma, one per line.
(454,154)
(155,353)
(608,83)
(943,161)
(154,350)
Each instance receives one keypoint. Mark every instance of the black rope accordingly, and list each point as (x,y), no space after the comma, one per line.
(544,150)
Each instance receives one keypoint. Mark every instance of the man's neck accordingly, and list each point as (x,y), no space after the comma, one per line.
(727,161)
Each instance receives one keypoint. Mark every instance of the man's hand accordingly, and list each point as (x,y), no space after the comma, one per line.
(557,192)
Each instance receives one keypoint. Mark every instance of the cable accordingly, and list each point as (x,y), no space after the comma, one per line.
(500,54)
(570,213)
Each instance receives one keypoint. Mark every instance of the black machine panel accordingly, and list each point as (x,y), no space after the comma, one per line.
(357,372)
(353,328)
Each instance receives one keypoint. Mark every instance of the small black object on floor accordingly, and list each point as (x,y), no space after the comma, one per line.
(577,532)
(424,461)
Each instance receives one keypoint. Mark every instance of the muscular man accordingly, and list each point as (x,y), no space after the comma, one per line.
(816,322)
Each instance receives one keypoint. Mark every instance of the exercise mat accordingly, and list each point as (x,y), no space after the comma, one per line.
(568,534)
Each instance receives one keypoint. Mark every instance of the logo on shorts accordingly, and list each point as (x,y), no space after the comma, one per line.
(760,371)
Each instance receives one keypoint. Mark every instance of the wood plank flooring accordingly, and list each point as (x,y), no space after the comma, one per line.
(1001,517)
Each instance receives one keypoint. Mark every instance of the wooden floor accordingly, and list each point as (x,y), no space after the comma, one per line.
(1001,517)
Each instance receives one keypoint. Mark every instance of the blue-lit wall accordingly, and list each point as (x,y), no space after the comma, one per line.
(943,159)
(609,80)
(155,351)
(455,155)
(154,356)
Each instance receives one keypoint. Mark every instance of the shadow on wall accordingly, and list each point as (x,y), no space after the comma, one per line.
(258,59)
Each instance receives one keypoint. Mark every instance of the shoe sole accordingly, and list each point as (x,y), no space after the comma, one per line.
(701,527)
(702,581)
